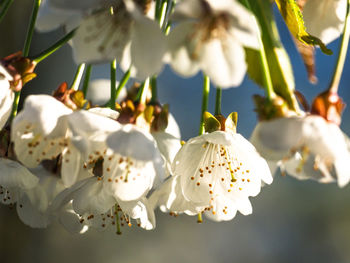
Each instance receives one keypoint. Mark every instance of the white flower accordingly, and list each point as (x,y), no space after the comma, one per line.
(214,173)
(125,34)
(130,167)
(325,18)
(100,210)
(6,96)
(46,129)
(33,192)
(40,132)
(306,147)
(210,36)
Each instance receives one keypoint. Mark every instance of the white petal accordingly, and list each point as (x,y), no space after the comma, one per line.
(190,9)
(6,99)
(223,61)
(179,53)
(142,211)
(71,222)
(132,142)
(325,19)
(71,165)
(91,198)
(30,214)
(14,174)
(223,209)
(244,207)
(147,47)
(168,146)
(169,198)
(274,139)
(127,179)
(101,37)
(44,112)
(50,17)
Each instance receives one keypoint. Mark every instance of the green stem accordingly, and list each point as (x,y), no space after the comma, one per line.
(218,101)
(162,13)
(31,28)
(270,93)
(154,98)
(25,52)
(333,87)
(77,77)
(15,105)
(122,82)
(113,84)
(117,220)
(167,28)
(5,8)
(166,24)
(205,98)
(267,80)
(158,5)
(54,47)
(87,79)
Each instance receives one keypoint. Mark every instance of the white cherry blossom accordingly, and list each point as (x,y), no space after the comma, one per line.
(214,173)
(100,210)
(210,36)
(40,132)
(325,18)
(46,129)
(124,33)
(131,165)
(306,147)
(33,192)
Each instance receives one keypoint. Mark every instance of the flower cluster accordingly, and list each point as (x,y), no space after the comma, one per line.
(92,159)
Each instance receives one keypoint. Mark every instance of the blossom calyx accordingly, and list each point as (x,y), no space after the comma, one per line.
(71,98)
(21,69)
(154,116)
(268,109)
(329,106)
(219,122)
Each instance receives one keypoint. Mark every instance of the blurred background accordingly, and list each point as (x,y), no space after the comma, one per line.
(293,221)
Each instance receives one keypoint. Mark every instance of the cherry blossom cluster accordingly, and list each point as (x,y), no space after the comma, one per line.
(71,159)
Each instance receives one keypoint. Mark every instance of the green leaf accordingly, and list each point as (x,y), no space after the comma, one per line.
(211,124)
(294,19)
(277,58)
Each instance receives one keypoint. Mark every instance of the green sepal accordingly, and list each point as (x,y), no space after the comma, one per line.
(211,124)
(294,19)
(231,122)
(148,113)
(78,98)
